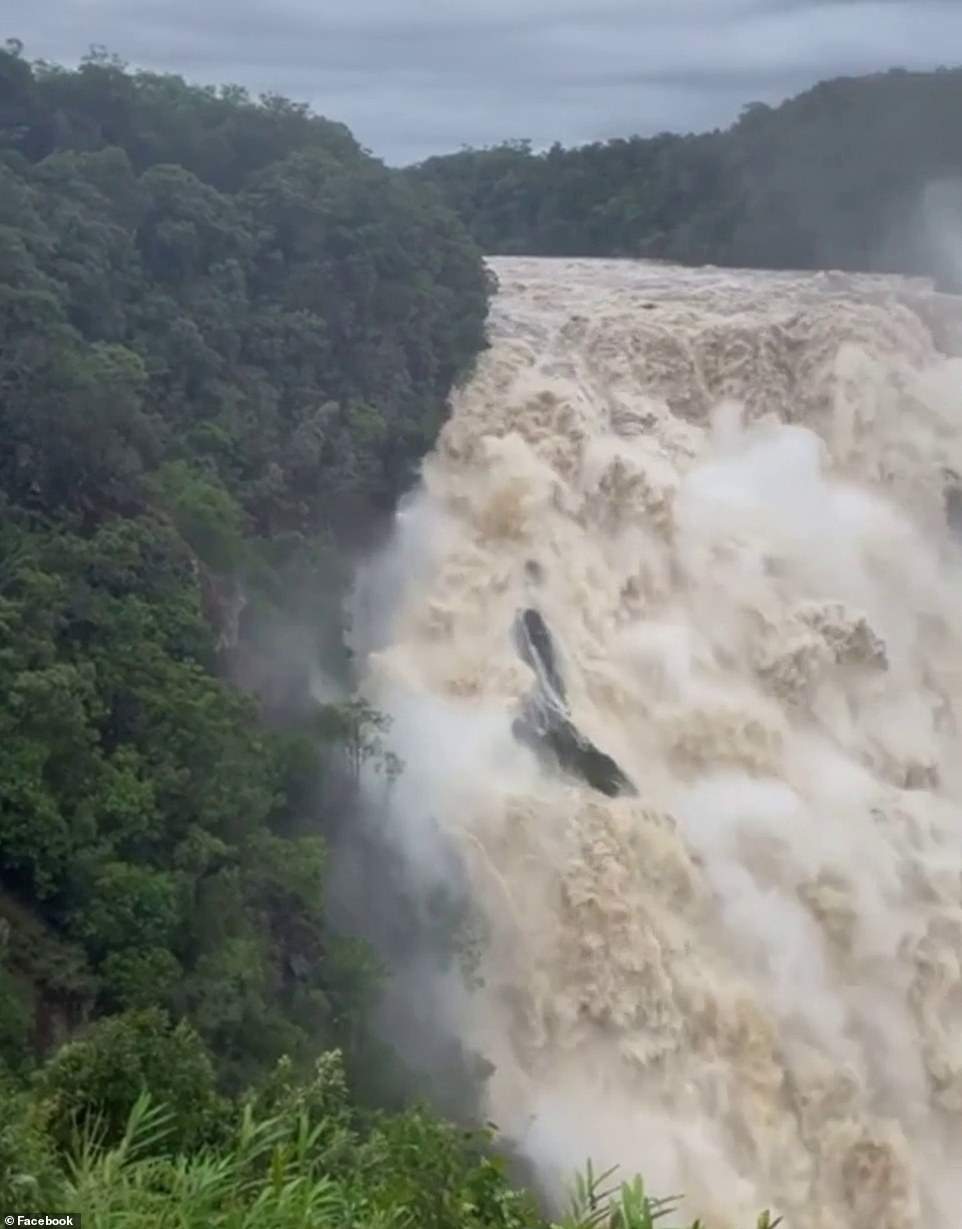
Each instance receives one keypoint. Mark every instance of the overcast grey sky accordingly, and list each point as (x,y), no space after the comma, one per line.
(415,77)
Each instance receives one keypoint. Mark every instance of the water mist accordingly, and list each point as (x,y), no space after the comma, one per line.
(739,969)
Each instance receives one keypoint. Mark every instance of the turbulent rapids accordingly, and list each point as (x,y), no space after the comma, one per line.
(675,659)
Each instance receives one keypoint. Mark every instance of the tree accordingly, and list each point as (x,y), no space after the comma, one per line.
(94,1082)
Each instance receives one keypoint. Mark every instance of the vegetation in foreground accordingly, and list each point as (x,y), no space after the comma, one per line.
(294,1155)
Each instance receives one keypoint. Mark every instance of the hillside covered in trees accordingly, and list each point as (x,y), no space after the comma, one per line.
(858,173)
(226,336)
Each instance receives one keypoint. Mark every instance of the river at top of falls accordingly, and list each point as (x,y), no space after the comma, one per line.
(672,637)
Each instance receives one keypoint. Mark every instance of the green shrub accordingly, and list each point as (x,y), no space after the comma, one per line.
(99,1077)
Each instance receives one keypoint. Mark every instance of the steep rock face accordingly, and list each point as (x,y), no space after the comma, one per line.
(544,723)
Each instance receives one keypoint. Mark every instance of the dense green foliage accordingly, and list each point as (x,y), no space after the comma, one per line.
(226,335)
(293,1153)
(857,173)
(193,278)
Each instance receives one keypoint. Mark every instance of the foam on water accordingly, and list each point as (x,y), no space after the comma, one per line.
(745,982)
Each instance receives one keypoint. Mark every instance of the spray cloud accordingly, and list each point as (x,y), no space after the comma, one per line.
(728,510)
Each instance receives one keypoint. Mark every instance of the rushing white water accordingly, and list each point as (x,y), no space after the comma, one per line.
(746,980)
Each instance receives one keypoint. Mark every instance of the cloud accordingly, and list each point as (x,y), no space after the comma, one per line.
(415,77)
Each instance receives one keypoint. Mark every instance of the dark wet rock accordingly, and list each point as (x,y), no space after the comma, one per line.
(537,651)
(563,744)
(545,724)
